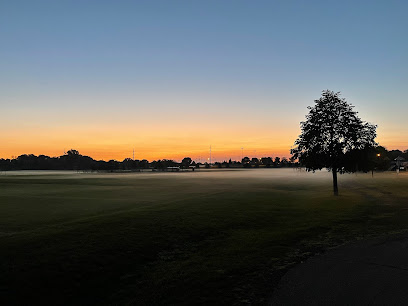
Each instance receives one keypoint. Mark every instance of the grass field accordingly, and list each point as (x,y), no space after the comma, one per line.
(203,237)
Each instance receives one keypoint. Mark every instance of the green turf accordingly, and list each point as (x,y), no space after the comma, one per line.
(218,237)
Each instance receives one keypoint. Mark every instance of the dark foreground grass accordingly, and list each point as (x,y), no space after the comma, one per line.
(182,238)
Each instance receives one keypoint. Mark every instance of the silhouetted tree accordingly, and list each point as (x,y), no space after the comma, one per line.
(393,154)
(5,164)
(186,162)
(72,152)
(113,165)
(255,162)
(246,162)
(267,161)
(128,164)
(331,131)
(144,164)
(71,159)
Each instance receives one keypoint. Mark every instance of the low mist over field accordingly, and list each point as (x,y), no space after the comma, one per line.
(209,236)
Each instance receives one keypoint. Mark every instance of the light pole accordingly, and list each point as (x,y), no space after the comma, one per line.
(378,161)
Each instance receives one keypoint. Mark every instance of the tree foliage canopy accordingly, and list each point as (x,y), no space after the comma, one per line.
(333,135)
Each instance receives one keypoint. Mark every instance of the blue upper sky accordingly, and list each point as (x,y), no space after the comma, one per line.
(268,56)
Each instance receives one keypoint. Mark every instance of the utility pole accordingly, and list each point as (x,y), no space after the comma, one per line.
(242,153)
(210,155)
(133,154)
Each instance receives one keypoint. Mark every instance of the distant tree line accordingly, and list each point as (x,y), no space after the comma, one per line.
(379,159)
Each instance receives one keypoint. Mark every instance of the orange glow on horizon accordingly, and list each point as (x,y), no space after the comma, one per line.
(160,137)
(152,146)
(118,144)
(197,154)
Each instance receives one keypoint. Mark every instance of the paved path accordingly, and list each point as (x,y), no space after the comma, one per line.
(365,272)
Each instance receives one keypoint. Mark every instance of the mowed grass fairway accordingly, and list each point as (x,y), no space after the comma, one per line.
(203,237)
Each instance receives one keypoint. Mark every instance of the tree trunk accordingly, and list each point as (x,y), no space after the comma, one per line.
(335,189)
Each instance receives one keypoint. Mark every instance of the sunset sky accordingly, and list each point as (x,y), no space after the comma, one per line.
(170,78)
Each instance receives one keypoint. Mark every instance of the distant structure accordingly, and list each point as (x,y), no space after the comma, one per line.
(400,163)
